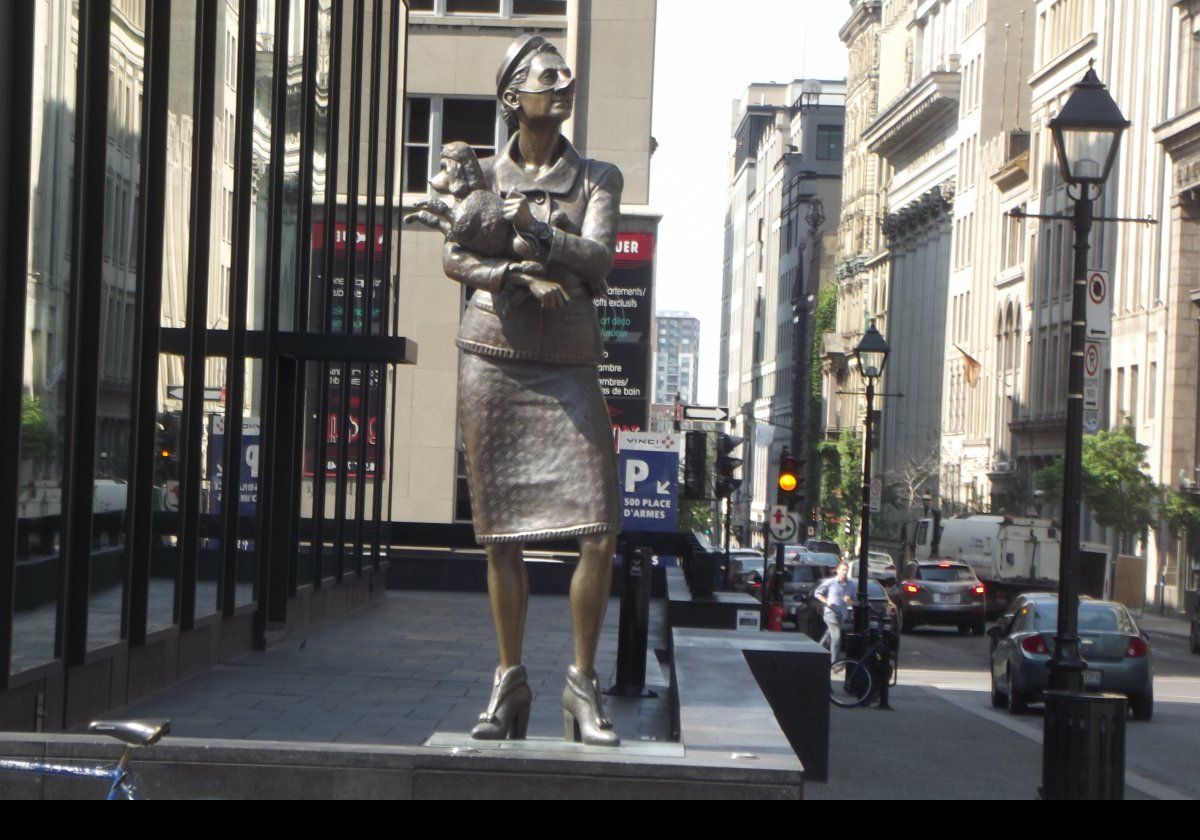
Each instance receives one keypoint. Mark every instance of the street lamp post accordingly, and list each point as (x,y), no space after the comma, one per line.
(1083,745)
(872,355)
(1087,133)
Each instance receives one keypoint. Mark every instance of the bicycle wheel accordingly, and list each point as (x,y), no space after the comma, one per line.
(849,683)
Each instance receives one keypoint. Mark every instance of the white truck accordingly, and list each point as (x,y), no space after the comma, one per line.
(1009,554)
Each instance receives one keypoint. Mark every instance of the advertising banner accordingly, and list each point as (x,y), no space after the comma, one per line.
(626,324)
(648,469)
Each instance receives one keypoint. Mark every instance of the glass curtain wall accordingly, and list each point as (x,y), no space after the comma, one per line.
(207,197)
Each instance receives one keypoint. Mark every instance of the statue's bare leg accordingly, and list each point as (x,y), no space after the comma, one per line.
(589,596)
(507,713)
(508,590)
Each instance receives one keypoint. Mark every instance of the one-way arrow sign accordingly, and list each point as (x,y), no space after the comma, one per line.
(175,392)
(711,413)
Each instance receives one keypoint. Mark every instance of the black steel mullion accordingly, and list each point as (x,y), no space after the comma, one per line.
(389,177)
(329,255)
(273,586)
(364,434)
(355,132)
(235,367)
(149,313)
(16,85)
(197,308)
(91,149)
(395,294)
(304,262)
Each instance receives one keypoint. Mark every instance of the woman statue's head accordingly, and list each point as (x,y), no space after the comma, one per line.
(534,82)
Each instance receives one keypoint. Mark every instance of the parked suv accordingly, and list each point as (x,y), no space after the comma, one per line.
(941,592)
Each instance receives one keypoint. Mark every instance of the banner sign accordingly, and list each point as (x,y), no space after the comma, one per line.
(648,470)
(626,323)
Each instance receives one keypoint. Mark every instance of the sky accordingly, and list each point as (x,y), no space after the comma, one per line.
(703,62)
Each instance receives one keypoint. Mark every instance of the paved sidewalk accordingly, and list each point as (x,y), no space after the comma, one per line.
(410,665)
(1175,625)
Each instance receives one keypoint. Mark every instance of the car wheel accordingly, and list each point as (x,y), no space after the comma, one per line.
(906,622)
(1017,703)
(1143,707)
(978,628)
(1196,641)
(999,701)
(963,629)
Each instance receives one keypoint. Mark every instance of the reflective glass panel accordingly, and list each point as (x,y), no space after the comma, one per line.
(118,320)
(47,326)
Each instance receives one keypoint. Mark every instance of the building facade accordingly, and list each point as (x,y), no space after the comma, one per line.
(975,300)
(676,358)
(782,208)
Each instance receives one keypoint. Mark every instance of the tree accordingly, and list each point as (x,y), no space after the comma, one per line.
(696,515)
(37,437)
(824,320)
(1117,491)
(1178,512)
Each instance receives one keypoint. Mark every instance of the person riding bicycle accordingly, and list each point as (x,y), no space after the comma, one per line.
(837,594)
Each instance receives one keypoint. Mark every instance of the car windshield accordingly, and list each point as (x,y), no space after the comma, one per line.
(1097,618)
(946,574)
(805,574)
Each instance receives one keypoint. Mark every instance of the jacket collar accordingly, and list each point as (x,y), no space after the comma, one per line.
(557,181)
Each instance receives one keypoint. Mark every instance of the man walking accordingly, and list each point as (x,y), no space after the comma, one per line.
(837,594)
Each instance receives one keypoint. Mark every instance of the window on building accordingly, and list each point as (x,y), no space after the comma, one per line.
(1133,396)
(504,8)
(434,120)
(829,142)
(1151,391)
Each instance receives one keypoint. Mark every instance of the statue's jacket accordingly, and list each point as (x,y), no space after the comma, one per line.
(580,200)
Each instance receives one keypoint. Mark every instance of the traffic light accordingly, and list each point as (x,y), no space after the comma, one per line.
(789,479)
(695,465)
(728,471)
(167,438)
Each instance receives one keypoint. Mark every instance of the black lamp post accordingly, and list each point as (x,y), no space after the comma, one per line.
(1083,746)
(1087,133)
(872,355)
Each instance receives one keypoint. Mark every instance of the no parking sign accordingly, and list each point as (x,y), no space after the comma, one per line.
(1099,313)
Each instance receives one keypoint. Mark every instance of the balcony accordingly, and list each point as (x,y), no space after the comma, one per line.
(914,117)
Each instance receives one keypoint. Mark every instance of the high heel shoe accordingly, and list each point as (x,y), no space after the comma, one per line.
(507,715)
(583,711)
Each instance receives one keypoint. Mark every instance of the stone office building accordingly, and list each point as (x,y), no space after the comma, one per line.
(782,208)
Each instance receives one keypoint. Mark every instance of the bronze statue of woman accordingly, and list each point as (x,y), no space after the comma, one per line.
(538,442)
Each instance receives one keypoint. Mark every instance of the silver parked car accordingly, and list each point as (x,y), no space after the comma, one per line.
(1115,652)
(941,592)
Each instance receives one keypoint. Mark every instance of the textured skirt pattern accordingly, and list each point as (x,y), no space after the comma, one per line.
(539,450)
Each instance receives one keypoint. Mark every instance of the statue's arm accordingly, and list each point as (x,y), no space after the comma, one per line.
(486,273)
(590,255)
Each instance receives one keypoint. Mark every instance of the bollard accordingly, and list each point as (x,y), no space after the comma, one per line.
(634,625)
(1083,754)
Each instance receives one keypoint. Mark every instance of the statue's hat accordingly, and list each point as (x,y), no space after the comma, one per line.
(517,50)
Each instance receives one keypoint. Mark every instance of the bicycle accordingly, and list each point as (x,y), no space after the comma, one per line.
(134,733)
(852,682)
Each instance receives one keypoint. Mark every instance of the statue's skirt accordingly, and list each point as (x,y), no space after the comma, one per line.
(539,450)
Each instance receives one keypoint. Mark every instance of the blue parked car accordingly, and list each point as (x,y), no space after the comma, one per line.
(1115,651)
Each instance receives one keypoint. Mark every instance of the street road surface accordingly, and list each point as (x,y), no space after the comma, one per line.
(944,739)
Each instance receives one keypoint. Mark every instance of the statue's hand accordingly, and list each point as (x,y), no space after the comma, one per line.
(550,294)
(517,212)
(527,267)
